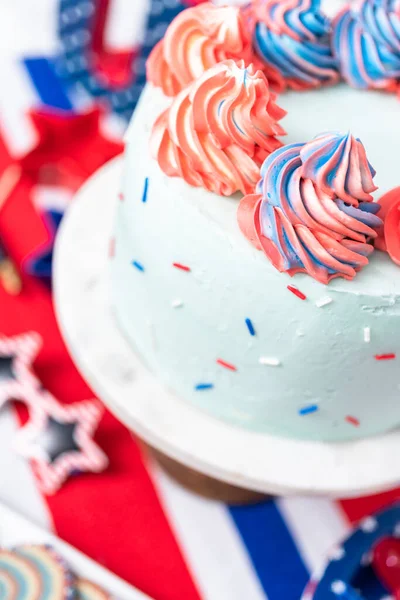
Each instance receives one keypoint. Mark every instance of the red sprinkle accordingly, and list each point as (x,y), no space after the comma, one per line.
(226,365)
(182,267)
(353,421)
(111,248)
(389,356)
(296,292)
(121,196)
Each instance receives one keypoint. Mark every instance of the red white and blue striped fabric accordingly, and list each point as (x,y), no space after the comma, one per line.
(133,519)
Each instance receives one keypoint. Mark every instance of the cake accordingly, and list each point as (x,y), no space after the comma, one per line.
(256,272)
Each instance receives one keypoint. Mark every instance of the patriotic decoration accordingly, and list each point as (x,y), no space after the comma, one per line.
(34,572)
(386,563)
(80,26)
(366,565)
(71,146)
(40,264)
(58,440)
(16,357)
(199,549)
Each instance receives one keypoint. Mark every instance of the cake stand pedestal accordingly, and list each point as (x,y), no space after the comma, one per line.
(191,445)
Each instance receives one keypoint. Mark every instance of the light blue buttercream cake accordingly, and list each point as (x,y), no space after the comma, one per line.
(216,322)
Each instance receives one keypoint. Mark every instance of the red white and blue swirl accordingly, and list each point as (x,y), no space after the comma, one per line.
(313,210)
(366,44)
(292,38)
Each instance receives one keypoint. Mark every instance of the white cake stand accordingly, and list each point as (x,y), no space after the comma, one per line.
(242,458)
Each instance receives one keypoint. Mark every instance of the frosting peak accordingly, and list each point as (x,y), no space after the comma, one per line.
(366,44)
(338,165)
(219,130)
(300,20)
(313,212)
(198,38)
(292,39)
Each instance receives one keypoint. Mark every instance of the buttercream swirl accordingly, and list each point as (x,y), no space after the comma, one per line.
(219,130)
(198,38)
(366,44)
(292,38)
(313,211)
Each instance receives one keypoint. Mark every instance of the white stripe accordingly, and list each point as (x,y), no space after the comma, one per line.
(331,7)
(48,197)
(316,525)
(125,25)
(210,542)
(18,488)
(17,97)
(28,28)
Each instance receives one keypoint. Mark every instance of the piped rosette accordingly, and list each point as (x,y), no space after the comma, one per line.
(197,39)
(313,211)
(292,39)
(219,130)
(366,44)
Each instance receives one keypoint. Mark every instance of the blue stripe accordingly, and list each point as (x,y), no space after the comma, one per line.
(272,550)
(47,84)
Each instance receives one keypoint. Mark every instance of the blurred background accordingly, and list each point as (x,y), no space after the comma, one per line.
(71,73)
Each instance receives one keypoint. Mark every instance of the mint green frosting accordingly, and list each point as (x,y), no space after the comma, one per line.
(182,322)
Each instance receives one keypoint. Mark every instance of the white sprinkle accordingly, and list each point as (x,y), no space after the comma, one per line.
(269,361)
(299,332)
(323,301)
(367,334)
(177,303)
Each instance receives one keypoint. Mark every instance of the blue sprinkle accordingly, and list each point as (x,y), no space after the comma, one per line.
(204,386)
(250,327)
(307,410)
(138,265)
(145,189)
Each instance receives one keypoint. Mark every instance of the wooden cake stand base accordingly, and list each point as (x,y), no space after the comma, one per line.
(205,454)
(202,484)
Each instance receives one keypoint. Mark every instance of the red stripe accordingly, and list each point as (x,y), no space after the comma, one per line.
(358,508)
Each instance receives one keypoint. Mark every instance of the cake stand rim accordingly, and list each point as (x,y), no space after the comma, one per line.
(348,475)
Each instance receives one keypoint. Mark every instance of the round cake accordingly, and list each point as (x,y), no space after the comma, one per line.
(256,273)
